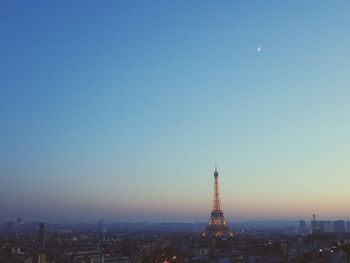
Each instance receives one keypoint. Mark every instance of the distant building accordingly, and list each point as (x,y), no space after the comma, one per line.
(302,227)
(327,226)
(339,226)
(40,258)
(100,223)
(19,221)
(321,226)
(42,234)
(347,229)
(313,224)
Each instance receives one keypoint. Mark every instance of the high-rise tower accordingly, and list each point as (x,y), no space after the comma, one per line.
(42,234)
(217,226)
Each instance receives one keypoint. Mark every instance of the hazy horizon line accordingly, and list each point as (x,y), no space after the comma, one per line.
(167,221)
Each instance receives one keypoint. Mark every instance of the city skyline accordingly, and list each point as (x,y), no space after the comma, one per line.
(121,110)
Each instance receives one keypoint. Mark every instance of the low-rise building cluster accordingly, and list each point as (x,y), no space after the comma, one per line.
(165,243)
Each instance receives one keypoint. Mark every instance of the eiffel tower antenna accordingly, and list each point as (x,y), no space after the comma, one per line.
(217,226)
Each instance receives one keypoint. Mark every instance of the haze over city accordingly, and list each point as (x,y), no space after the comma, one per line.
(121,110)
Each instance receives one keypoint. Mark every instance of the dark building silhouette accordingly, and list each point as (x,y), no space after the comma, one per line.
(339,226)
(41,238)
(19,221)
(302,227)
(321,226)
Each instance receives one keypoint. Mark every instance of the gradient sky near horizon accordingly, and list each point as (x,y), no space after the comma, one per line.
(121,109)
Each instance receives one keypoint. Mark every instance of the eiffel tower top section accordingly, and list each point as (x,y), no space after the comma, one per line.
(216,196)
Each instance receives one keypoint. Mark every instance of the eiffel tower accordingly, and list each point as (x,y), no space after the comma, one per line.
(217,226)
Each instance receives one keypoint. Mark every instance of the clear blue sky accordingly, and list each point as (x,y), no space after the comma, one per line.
(121,109)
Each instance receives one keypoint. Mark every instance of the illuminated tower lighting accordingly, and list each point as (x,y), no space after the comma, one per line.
(217,226)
